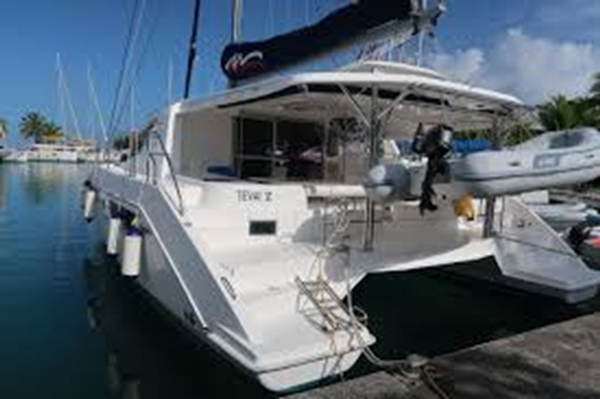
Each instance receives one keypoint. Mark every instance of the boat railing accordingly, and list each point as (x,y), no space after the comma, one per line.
(152,170)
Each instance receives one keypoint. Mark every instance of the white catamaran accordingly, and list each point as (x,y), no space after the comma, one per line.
(255,212)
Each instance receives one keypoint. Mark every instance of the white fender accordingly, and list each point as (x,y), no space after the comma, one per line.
(89,204)
(132,253)
(114,233)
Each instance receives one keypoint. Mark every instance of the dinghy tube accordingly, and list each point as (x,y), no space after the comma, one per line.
(550,160)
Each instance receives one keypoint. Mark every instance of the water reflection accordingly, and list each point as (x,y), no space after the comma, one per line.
(46,348)
(147,355)
(41,181)
(3,188)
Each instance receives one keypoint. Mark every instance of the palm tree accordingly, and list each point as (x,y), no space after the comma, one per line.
(517,134)
(595,90)
(560,114)
(588,110)
(52,132)
(33,125)
(3,128)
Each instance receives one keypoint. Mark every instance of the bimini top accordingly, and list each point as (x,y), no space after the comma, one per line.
(416,95)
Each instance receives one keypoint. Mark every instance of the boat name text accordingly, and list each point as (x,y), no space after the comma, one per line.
(254,196)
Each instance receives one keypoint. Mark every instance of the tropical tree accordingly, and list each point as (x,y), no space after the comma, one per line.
(517,134)
(595,90)
(561,113)
(33,126)
(52,132)
(3,128)
(588,111)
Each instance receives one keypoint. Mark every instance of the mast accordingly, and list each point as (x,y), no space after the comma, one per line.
(66,96)
(132,109)
(61,114)
(236,21)
(192,50)
(94,97)
(170,83)
(236,27)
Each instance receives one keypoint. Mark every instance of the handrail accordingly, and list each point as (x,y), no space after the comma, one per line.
(172,172)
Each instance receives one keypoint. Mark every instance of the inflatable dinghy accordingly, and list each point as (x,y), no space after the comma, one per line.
(549,160)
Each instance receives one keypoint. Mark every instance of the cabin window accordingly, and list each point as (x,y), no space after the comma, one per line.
(278,150)
(299,147)
(254,147)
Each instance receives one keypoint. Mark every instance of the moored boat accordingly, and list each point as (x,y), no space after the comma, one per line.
(252,214)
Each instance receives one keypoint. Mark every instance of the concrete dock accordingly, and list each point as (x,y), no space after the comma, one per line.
(558,361)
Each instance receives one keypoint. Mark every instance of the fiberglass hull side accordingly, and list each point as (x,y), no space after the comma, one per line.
(198,302)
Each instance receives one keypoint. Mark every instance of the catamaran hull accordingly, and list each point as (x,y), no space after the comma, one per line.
(192,295)
(283,380)
(166,294)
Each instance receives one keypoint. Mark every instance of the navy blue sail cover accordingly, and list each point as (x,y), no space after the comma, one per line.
(249,59)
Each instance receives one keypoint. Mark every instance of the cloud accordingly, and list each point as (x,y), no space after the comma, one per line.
(531,68)
(464,65)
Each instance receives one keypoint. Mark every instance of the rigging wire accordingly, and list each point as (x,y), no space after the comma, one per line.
(60,105)
(62,102)
(135,73)
(98,109)
(124,65)
(134,41)
(70,105)
(90,121)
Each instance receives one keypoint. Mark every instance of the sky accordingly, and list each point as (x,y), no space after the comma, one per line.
(529,48)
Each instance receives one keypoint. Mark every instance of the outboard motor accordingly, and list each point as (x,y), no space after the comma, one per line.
(435,144)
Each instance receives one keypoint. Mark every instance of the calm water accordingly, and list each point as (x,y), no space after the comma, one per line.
(71,328)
